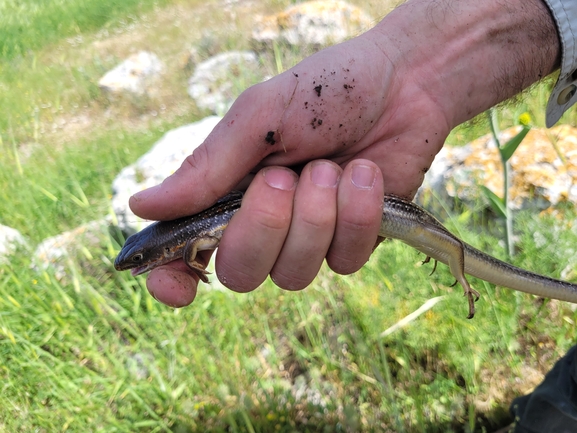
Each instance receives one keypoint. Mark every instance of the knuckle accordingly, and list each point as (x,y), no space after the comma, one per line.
(270,220)
(198,158)
(249,94)
(318,221)
(360,219)
(198,162)
(356,226)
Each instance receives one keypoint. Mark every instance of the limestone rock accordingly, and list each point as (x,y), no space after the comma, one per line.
(133,75)
(314,23)
(544,168)
(212,84)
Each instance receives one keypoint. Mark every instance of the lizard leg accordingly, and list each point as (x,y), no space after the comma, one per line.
(457,268)
(427,240)
(191,249)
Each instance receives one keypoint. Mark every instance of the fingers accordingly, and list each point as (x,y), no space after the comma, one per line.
(360,209)
(312,226)
(257,232)
(287,229)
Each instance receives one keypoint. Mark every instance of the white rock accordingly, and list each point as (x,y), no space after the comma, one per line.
(133,75)
(212,86)
(10,240)
(58,251)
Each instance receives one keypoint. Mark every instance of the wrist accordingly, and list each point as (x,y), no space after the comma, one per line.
(469,55)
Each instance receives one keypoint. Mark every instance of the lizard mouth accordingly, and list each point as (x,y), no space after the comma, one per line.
(139,270)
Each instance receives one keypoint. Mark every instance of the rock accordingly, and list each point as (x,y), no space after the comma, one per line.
(133,75)
(212,85)
(540,178)
(315,23)
(56,252)
(10,240)
(152,168)
(137,365)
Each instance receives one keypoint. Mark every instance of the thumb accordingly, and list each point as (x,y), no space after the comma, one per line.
(248,133)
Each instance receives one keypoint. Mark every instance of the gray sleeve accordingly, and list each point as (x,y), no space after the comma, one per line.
(564,94)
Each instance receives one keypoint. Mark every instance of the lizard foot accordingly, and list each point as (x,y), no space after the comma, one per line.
(427,260)
(472,296)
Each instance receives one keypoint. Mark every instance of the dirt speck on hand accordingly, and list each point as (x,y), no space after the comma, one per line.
(270,138)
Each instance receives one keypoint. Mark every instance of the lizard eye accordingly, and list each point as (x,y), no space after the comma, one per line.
(137,258)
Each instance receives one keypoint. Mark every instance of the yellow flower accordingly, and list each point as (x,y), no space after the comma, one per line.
(525,119)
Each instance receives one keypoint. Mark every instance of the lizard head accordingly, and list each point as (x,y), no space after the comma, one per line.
(139,256)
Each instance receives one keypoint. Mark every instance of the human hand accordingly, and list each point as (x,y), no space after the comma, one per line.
(289,224)
(355,120)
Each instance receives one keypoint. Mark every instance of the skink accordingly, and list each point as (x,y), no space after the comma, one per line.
(165,241)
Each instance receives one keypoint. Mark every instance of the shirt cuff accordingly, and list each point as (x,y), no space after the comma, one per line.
(564,94)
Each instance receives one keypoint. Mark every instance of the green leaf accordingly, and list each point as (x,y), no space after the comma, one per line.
(497,202)
(509,147)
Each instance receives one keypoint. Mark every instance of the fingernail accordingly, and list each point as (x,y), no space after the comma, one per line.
(280,178)
(146,193)
(324,174)
(363,176)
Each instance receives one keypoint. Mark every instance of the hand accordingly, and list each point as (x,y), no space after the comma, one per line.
(289,224)
(376,109)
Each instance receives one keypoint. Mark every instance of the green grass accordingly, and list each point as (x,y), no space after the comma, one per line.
(27,25)
(49,192)
(96,352)
(92,351)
